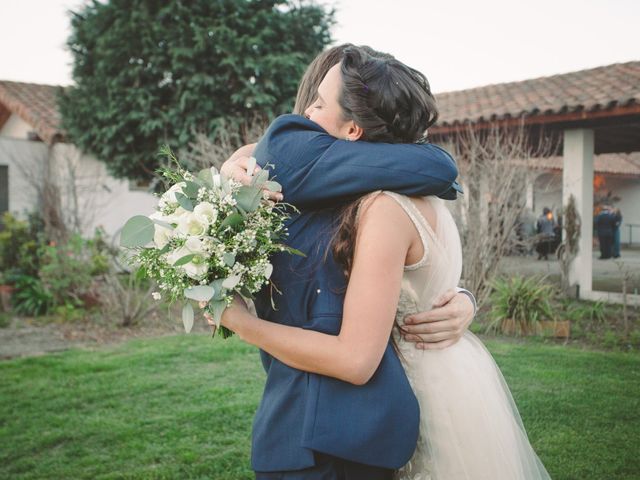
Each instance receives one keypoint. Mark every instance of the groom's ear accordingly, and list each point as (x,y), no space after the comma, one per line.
(355,132)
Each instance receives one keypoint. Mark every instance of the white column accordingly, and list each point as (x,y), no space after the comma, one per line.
(577,179)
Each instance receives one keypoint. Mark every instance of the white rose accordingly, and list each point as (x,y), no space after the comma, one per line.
(176,215)
(198,265)
(192,224)
(156,295)
(169,197)
(161,234)
(207,210)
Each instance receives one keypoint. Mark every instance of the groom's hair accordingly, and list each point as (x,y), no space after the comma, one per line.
(390,101)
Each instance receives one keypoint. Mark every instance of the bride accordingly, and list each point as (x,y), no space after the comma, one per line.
(400,253)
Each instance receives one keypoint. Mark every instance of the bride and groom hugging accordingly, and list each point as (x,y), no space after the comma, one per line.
(354,389)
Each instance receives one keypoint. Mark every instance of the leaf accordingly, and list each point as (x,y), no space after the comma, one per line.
(191,190)
(162,223)
(273,186)
(232,220)
(184,201)
(260,178)
(231,281)
(205,176)
(184,260)
(248,198)
(218,308)
(229,259)
(200,293)
(295,251)
(187,317)
(220,290)
(268,271)
(137,232)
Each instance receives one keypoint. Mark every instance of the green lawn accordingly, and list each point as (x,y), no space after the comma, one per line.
(181,407)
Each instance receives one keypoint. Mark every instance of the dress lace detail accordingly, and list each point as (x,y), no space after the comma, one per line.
(470,428)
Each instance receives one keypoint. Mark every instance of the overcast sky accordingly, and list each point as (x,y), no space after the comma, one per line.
(457,44)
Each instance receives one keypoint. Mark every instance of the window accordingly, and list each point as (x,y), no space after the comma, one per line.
(4,188)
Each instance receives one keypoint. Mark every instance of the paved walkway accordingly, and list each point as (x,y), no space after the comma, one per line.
(607,274)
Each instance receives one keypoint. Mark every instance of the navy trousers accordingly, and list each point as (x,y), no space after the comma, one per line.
(328,467)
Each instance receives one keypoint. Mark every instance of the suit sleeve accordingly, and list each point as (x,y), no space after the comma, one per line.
(318,171)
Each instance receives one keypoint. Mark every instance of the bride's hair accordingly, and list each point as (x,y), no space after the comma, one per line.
(392,103)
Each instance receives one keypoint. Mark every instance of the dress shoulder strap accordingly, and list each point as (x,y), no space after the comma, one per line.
(424,229)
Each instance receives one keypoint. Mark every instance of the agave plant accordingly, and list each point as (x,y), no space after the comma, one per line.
(523,300)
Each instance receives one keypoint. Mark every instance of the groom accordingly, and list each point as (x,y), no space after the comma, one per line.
(310,426)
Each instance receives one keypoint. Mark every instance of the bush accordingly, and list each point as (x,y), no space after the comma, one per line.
(31,297)
(68,270)
(525,301)
(20,246)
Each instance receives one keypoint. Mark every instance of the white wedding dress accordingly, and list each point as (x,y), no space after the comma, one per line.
(470,428)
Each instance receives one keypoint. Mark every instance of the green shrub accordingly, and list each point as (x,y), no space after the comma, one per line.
(20,245)
(525,300)
(31,297)
(5,319)
(610,339)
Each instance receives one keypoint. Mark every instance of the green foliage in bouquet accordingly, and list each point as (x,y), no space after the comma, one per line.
(209,238)
(149,72)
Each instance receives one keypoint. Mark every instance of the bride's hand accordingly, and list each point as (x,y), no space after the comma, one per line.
(442,326)
(237,166)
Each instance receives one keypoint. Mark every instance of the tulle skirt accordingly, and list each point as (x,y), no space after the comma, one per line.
(470,428)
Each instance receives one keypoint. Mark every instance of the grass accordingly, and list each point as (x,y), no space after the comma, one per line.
(182,406)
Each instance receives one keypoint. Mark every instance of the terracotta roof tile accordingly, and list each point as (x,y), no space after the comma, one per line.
(35,104)
(594,89)
(612,163)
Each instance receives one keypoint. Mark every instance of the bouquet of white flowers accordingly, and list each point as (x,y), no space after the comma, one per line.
(209,238)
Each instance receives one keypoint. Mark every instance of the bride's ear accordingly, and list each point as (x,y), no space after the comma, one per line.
(354,132)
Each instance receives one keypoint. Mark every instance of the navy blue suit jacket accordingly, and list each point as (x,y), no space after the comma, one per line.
(377,423)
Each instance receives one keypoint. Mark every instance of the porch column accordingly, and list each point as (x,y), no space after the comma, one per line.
(577,180)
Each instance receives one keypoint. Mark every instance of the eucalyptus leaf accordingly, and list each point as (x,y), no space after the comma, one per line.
(232,281)
(137,232)
(184,201)
(205,176)
(219,289)
(162,223)
(248,198)
(184,260)
(229,259)
(268,271)
(295,251)
(232,220)
(218,308)
(200,293)
(246,292)
(187,317)
(191,189)
(273,186)
(260,178)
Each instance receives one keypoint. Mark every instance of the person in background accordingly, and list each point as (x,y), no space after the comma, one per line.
(605,226)
(546,233)
(617,215)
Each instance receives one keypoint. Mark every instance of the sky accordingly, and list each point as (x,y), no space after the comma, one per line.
(457,44)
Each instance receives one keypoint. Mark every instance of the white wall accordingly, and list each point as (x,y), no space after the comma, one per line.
(15,127)
(548,193)
(102,200)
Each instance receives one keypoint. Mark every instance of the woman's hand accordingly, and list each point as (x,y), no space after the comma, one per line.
(231,316)
(442,326)
(237,166)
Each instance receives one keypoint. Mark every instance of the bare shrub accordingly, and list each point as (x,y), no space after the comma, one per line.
(207,151)
(496,165)
(126,298)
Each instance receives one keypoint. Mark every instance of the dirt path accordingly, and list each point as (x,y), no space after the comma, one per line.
(24,337)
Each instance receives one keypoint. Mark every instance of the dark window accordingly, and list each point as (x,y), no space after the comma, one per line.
(4,188)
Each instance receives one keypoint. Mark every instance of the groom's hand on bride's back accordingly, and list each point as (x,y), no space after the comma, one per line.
(442,326)
(237,166)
